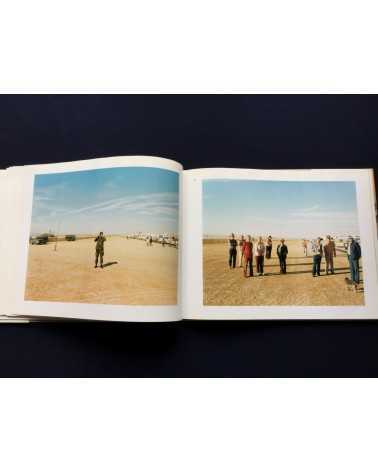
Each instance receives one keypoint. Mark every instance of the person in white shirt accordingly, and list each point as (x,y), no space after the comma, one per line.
(259,255)
(317,253)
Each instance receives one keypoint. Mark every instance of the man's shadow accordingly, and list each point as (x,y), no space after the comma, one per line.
(109,264)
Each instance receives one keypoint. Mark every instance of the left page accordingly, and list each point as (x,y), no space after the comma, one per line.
(4,248)
(95,239)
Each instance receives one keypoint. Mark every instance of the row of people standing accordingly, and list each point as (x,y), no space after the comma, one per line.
(318,249)
(261,250)
(265,249)
(328,249)
(247,250)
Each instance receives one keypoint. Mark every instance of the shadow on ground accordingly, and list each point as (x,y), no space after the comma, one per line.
(109,264)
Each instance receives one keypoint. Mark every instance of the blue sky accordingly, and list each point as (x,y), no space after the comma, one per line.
(287,209)
(115,200)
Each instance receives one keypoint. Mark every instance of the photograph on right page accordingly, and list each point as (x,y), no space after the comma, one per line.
(282,243)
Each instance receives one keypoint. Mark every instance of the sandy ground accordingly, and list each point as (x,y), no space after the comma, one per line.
(133,273)
(224,286)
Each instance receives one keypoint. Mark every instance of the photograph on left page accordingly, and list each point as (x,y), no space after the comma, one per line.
(104,236)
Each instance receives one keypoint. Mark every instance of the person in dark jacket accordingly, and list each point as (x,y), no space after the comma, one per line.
(282,252)
(232,251)
(329,249)
(354,255)
(268,249)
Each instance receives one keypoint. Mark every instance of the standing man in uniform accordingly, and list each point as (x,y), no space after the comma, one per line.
(100,249)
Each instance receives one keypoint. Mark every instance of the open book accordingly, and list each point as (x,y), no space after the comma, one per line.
(140,239)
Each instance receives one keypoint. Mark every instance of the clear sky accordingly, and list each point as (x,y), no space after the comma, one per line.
(287,209)
(116,200)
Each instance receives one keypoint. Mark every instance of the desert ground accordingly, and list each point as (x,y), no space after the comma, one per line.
(225,286)
(133,273)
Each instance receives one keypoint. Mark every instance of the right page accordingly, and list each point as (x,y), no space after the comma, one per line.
(279,244)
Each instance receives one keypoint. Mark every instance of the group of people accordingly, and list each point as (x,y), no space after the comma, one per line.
(243,251)
(328,249)
(318,249)
(247,250)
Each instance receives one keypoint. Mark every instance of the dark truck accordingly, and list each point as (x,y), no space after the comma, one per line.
(70,237)
(40,239)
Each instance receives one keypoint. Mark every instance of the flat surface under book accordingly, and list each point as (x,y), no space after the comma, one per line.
(199,131)
(190,349)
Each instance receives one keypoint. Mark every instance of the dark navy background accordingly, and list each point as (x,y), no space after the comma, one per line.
(270,132)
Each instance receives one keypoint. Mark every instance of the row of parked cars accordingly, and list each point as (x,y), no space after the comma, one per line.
(44,238)
(156,238)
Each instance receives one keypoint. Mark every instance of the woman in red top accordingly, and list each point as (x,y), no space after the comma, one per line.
(241,244)
(248,256)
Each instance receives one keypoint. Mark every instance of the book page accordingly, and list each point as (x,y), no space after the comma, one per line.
(279,244)
(3,209)
(96,239)
(3,245)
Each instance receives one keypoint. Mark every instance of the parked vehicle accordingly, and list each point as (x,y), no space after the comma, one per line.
(41,239)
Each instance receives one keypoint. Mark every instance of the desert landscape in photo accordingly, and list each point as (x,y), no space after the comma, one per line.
(292,210)
(133,273)
(136,209)
(224,286)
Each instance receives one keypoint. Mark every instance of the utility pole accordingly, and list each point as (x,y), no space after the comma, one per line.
(56,236)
